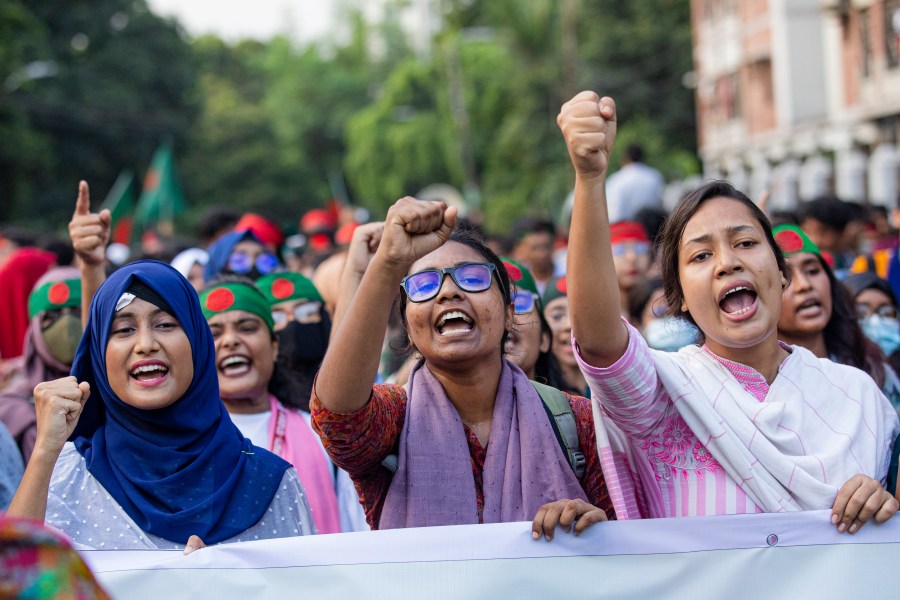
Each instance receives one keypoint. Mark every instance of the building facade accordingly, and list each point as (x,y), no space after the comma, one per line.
(800,97)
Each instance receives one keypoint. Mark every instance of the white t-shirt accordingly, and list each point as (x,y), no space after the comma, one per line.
(631,188)
(254,427)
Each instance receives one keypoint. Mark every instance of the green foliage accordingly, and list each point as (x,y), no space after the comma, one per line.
(119,84)
(279,128)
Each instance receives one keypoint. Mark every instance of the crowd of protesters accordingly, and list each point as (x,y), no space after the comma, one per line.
(417,372)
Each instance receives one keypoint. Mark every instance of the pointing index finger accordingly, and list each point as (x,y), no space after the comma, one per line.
(83,203)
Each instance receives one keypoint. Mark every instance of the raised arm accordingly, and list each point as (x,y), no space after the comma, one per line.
(58,405)
(90,235)
(588,124)
(360,253)
(412,229)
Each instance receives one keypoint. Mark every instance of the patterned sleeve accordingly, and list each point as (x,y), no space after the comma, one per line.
(629,390)
(593,482)
(357,442)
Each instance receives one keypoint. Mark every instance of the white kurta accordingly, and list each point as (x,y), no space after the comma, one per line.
(80,507)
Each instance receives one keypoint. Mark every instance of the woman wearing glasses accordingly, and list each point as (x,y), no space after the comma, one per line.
(239,253)
(467,440)
(876,307)
(818,313)
(530,341)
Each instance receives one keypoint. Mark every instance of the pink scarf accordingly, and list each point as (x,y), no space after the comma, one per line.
(291,438)
(524,469)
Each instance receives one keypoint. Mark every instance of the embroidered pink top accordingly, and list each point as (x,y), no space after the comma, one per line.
(691,482)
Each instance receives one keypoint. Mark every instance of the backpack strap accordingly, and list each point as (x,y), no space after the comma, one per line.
(562,419)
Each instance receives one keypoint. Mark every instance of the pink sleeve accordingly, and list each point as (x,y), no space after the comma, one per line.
(628,390)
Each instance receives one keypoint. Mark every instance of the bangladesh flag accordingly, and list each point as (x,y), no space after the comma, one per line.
(161,199)
(120,201)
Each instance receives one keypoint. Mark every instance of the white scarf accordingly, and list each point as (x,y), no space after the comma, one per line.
(820,424)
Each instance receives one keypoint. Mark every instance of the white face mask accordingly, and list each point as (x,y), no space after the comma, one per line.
(884,331)
(670,334)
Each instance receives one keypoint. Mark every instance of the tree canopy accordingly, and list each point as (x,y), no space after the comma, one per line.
(91,88)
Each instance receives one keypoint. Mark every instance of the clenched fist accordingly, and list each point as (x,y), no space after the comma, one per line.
(58,405)
(588,124)
(413,228)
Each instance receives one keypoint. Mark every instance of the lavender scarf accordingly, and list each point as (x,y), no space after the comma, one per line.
(524,468)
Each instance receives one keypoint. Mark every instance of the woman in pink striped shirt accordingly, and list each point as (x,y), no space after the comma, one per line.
(743,423)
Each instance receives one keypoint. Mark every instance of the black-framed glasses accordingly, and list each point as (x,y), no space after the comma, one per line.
(888,311)
(469,277)
(523,302)
(241,263)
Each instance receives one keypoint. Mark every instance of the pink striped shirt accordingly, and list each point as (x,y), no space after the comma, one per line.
(690,481)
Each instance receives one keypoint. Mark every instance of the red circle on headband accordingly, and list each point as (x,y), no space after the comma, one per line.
(59,293)
(515,273)
(220,299)
(789,241)
(561,285)
(282,288)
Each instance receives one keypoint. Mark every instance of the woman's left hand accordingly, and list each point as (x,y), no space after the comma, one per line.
(860,499)
(194,543)
(564,513)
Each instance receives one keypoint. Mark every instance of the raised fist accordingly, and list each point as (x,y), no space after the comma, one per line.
(588,124)
(413,228)
(58,405)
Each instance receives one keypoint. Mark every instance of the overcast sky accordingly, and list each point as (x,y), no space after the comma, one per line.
(303,20)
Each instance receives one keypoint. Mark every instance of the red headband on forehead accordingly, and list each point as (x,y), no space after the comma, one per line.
(627,231)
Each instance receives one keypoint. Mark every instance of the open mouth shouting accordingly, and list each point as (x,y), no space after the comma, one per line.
(454,322)
(149,373)
(809,308)
(236,365)
(738,301)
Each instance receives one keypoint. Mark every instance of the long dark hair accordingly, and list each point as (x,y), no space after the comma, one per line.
(546,369)
(670,239)
(469,236)
(844,338)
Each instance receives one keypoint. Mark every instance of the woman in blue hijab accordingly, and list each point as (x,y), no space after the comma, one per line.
(152,457)
(239,253)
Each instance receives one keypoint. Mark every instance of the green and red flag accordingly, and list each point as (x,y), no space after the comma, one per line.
(120,201)
(162,199)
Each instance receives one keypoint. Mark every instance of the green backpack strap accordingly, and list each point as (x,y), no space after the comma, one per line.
(562,419)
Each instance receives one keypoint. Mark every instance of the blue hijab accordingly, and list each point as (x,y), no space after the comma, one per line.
(220,252)
(180,470)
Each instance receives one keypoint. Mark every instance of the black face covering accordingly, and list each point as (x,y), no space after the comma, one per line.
(300,346)
(301,349)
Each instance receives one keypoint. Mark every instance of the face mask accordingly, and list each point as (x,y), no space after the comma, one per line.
(300,345)
(883,331)
(669,334)
(62,337)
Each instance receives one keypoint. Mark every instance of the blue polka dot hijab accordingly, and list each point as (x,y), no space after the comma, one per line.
(184,469)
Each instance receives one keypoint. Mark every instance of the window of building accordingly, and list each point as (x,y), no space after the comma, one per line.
(892,32)
(865,38)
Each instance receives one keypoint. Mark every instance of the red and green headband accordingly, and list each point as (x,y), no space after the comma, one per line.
(226,297)
(281,287)
(55,295)
(792,240)
(556,288)
(519,275)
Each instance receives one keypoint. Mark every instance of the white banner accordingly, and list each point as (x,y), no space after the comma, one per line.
(792,555)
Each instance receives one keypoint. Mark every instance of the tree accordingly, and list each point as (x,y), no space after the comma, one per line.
(120,84)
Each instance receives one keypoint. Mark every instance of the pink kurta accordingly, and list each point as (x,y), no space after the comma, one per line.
(678,474)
